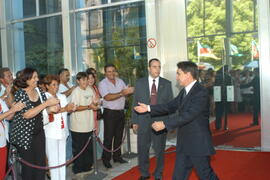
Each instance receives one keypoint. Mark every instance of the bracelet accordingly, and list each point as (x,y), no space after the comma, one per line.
(120,94)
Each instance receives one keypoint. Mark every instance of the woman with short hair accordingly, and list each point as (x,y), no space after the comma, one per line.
(27,132)
(56,131)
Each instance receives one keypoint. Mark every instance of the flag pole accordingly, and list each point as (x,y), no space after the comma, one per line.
(198,51)
(252,51)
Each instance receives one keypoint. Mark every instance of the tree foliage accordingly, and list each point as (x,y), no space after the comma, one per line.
(206,22)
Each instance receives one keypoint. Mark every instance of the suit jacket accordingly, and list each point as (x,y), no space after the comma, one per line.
(192,120)
(142,94)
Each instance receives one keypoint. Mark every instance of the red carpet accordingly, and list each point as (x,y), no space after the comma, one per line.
(229,165)
(240,133)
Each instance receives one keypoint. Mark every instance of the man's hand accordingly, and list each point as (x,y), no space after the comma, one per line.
(141,108)
(127,91)
(158,125)
(135,128)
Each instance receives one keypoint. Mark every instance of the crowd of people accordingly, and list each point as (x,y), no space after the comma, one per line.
(246,92)
(49,120)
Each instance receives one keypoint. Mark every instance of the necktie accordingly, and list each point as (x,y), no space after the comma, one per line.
(185,93)
(153,100)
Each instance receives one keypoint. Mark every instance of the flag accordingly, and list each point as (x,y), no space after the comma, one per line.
(234,51)
(136,55)
(205,51)
(254,50)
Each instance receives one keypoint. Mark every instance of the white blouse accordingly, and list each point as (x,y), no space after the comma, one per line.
(54,129)
(3,125)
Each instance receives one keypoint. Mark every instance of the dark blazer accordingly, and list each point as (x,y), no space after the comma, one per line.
(192,120)
(142,94)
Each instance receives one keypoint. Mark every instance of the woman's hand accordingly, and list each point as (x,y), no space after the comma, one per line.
(15,107)
(71,107)
(52,101)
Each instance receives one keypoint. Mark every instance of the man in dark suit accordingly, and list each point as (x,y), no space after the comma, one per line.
(152,89)
(223,79)
(256,103)
(194,144)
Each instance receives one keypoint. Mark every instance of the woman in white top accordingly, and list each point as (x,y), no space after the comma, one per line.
(56,130)
(5,114)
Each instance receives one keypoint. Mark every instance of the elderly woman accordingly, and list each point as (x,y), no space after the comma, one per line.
(27,132)
(56,131)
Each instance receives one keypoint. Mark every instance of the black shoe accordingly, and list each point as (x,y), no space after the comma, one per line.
(107,164)
(121,161)
(143,178)
(157,178)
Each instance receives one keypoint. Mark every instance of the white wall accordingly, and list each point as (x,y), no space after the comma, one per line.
(264,38)
(166,22)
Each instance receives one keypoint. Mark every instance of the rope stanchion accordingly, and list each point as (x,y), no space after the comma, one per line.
(14,160)
(13,172)
(8,171)
(13,163)
(129,154)
(96,175)
(108,150)
(58,166)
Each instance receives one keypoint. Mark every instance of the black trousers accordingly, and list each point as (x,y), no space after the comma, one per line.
(256,107)
(35,155)
(85,161)
(220,107)
(185,163)
(146,136)
(114,121)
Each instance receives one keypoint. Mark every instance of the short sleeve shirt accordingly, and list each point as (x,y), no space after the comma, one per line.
(107,87)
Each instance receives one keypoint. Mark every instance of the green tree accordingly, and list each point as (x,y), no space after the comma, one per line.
(206,22)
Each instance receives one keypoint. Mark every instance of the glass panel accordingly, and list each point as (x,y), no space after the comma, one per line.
(27,8)
(23,9)
(244,15)
(115,35)
(235,108)
(88,3)
(117,0)
(205,17)
(49,6)
(39,44)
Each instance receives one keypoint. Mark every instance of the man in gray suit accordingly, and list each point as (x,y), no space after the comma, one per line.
(152,89)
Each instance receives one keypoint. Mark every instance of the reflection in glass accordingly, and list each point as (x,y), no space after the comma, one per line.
(228,66)
(23,9)
(205,17)
(117,0)
(114,35)
(49,6)
(28,8)
(244,15)
(40,44)
(88,3)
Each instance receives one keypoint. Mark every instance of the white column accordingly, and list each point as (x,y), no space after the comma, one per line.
(264,40)
(67,35)
(166,22)
(151,17)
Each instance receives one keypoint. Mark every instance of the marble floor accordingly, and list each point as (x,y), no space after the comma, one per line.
(110,173)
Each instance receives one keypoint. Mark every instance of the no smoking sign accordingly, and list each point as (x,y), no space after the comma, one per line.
(151,43)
